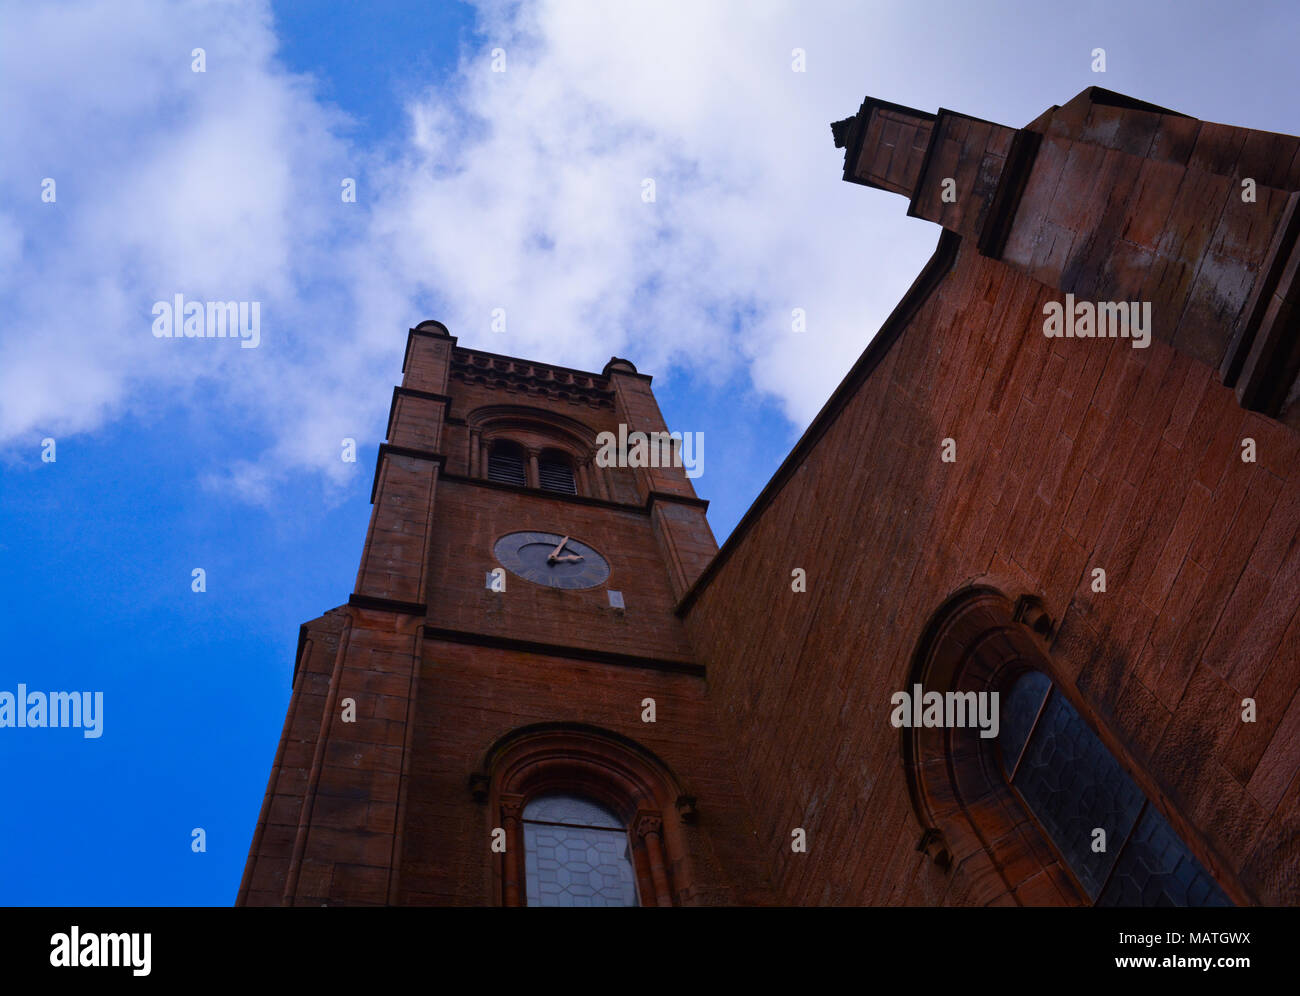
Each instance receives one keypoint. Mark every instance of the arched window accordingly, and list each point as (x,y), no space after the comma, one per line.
(555,473)
(506,464)
(533,448)
(576,853)
(590,818)
(1012,818)
(1083,798)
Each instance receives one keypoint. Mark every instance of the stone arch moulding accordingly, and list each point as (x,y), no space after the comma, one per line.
(606,767)
(534,429)
(972,821)
(972,825)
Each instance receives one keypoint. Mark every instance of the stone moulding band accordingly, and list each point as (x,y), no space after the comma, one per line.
(561,650)
(404,451)
(411,392)
(387,605)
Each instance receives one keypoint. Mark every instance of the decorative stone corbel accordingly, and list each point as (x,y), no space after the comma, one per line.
(932,843)
(1031,612)
(479,784)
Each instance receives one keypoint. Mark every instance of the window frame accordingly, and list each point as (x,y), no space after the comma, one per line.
(620,828)
(540,434)
(557,458)
(605,767)
(1053,689)
(508,448)
(975,826)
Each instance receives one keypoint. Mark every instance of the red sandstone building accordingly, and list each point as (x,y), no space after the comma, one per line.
(474,726)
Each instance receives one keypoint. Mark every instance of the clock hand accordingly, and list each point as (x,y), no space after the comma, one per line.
(568,558)
(555,554)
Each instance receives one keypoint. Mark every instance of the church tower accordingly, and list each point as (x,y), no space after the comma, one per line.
(507,709)
(550,687)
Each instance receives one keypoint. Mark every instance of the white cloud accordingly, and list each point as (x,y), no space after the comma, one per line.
(522,190)
(518,190)
(219,185)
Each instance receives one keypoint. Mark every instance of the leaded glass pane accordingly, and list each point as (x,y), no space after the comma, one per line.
(576,854)
(1157,869)
(571,809)
(1019,708)
(1074,785)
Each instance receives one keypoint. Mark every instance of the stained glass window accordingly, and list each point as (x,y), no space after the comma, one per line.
(1156,869)
(1074,786)
(1019,712)
(576,853)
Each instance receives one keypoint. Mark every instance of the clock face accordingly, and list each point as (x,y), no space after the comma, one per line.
(551,559)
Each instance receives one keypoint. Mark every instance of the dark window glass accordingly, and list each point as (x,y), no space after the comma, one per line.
(1156,869)
(1074,786)
(506,465)
(555,475)
(1019,711)
(576,853)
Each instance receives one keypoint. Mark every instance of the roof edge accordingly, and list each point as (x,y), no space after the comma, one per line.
(935,269)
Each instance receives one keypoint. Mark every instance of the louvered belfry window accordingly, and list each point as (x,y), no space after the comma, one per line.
(556,475)
(506,465)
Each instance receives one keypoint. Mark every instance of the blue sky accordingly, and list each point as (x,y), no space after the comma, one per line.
(476,190)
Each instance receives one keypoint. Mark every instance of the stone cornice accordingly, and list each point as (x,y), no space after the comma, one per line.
(528,378)
(562,650)
(411,392)
(403,451)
